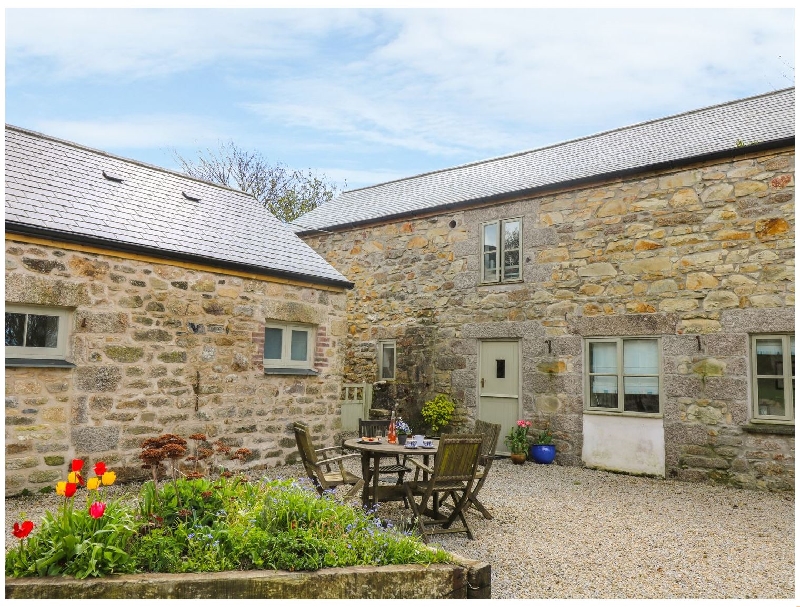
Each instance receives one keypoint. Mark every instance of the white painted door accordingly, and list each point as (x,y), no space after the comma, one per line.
(498,386)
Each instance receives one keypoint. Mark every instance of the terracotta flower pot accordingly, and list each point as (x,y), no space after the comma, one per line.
(518,458)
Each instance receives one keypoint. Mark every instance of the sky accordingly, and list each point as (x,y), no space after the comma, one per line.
(364,96)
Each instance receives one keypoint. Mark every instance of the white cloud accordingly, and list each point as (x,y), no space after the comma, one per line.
(72,43)
(132,132)
(450,82)
(449,86)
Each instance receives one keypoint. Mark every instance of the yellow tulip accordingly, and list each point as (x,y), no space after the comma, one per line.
(61,488)
(73,477)
(109,478)
(93,483)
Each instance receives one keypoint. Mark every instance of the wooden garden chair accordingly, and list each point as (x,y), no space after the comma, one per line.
(380,427)
(491,436)
(325,466)
(453,474)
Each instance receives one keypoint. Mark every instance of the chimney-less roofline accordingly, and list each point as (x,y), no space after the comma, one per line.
(544,189)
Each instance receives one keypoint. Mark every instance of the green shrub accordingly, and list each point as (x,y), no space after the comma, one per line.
(438,412)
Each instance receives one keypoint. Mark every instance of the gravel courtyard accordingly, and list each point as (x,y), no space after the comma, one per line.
(566,532)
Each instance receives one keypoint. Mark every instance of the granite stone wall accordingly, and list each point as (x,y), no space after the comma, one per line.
(702,256)
(160,349)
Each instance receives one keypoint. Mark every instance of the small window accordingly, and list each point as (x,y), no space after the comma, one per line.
(501,251)
(386,359)
(288,346)
(772,366)
(624,375)
(34,332)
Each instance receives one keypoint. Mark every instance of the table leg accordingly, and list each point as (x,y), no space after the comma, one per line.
(365,476)
(376,462)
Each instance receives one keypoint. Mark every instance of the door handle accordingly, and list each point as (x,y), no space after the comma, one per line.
(482,382)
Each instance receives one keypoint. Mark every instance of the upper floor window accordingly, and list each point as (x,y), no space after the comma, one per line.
(623,375)
(386,359)
(288,346)
(772,366)
(36,332)
(501,250)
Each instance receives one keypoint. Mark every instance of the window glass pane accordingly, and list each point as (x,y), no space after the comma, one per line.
(42,331)
(603,392)
(791,346)
(769,356)
(640,356)
(511,235)
(490,252)
(641,394)
(299,345)
(771,398)
(511,265)
(273,343)
(15,329)
(603,357)
(501,368)
(387,361)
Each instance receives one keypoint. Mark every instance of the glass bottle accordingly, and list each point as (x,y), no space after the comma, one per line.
(391,436)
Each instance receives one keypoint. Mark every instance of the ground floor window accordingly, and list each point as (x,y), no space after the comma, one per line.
(35,332)
(623,375)
(288,346)
(772,366)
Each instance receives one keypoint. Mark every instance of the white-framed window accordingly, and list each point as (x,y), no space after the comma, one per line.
(623,375)
(501,250)
(37,332)
(772,369)
(288,346)
(387,351)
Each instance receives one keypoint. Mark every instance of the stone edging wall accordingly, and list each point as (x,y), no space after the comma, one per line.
(465,580)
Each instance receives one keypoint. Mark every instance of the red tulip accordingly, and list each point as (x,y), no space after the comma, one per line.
(97,509)
(100,468)
(77,464)
(70,489)
(23,530)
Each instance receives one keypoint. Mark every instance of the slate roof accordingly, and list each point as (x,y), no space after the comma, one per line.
(713,130)
(57,188)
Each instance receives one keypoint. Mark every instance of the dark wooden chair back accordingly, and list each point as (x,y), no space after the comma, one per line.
(373,427)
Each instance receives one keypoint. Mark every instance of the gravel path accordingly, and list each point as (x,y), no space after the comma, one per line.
(567,532)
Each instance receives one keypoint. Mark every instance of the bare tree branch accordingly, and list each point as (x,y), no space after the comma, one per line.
(287,193)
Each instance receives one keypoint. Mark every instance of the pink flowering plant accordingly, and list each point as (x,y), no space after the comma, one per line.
(517,438)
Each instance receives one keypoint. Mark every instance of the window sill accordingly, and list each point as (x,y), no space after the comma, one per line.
(289,371)
(501,283)
(786,429)
(39,362)
(622,413)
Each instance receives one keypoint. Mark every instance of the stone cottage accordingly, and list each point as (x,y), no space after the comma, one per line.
(141,301)
(632,291)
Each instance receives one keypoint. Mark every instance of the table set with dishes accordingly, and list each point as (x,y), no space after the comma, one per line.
(373,449)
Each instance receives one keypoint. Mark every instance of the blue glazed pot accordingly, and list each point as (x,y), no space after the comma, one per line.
(543,454)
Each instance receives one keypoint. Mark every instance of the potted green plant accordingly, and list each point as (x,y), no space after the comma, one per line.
(517,441)
(438,412)
(543,451)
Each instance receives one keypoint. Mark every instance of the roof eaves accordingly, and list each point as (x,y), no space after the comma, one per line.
(116,245)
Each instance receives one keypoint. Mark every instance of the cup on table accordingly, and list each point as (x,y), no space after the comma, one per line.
(427,443)
(411,444)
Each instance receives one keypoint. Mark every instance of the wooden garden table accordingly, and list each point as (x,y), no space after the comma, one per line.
(371,453)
